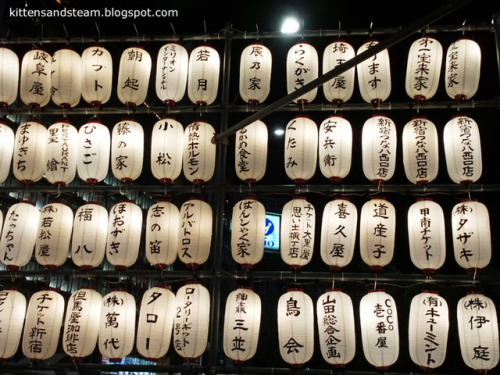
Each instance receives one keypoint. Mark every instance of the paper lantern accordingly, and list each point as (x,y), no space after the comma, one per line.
(195,232)
(97,75)
(127,150)
(133,76)
(428,330)
(340,88)
(250,152)
(28,163)
(117,325)
(171,73)
(124,234)
(298,222)
(296,327)
(6,150)
(255,73)
(423,68)
(162,234)
(379,329)
(88,244)
(301,149)
(463,69)
(241,324)
(81,325)
(42,327)
(301,68)
(9,77)
(248,232)
(379,145)
(191,321)
(166,150)
(335,148)
(198,157)
(66,80)
(156,319)
(337,336)
(94,147)
(19,235)
(203,75)
(377,233)
(420,151)
(35,78)
(478,332)
(470,225)
(12,313)
(374,75)
(462,150)
(61,153)
(338,233)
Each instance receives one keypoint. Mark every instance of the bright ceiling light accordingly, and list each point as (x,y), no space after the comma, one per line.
(279,132)
(290,26)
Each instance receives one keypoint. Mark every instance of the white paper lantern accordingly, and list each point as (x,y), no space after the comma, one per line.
(478,332)
(12,313)
(35,80)
(340,88)
(463,69)
(462,150)
(133,76)
(6,150)
(428,330)
(374,75)
(171,73)
(250,152)
(423,68)
(255,73)
(203,75)
(117,325)
(66,80)
(127,150)
(379,329)
(296,327)
(335,148)
(166,150)
(379,146)
(19,235)
(191,321)
(94,147)
(90,231)
(81,325)
(97,75)
(61,153)
(198,157)
(42,327)
(162,234)
(301,68)
(9,77)
(28,163)
(124,234)
(156,319)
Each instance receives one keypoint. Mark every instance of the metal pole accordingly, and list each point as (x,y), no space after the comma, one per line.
(496,20)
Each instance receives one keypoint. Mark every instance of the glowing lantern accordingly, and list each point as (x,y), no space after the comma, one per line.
(117,325)
(44,317)
(301,68)
(94,147)
(12,313)
(28,163)
(255,73)
(97,75)
(462,150)
(171,73)
(198,157)
(124,234)
(463,69)
(379,144)
(296,327)
(374,75)
(6,150)
(81,325)
(248,232)
(88,244)
(241,324)
(61,153)
(338,233)
(127,150)
(203,75)
(133,76)
(66,78)
(35,80)
(9,77)
(195,232)
(335,148)
(340,88)
(423,68)
(250,159)
(166,150)
(156,318)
